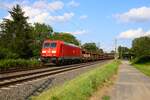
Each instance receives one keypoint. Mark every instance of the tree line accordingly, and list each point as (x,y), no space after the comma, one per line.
(139,52)
(20,39)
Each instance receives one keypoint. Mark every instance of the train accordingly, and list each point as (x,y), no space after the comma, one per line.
(59,52)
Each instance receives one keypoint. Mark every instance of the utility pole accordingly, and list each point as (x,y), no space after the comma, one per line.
(116,49)
(98,44)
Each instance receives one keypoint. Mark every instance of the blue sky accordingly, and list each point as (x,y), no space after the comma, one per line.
(99,21)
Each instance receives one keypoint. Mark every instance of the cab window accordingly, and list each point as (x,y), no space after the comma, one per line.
(53,45)
(49,45)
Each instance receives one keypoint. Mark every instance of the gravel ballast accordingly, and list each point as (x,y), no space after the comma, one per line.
(24,90)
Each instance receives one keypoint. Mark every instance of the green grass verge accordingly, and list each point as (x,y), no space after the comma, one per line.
(82,87)
(11,63)
(106,98)
(145,68)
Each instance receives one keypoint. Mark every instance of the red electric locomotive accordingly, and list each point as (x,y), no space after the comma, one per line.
(59,52)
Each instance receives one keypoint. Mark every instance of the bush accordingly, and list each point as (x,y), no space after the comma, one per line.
(7,54)
(12,63)
(142,59)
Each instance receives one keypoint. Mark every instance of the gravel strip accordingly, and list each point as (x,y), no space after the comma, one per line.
(24,90)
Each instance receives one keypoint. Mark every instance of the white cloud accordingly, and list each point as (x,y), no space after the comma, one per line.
(31,12)
(42,11)
(44,5)
(8,17)
(73,4)
(56,5)
(141,14)
(62,18)
(108,47)
(8,5)
(40,4)
(83,17)
(41,18)
(47,18)
(133,33)
(4,6)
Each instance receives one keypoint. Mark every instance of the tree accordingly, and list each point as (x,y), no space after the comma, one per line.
(16,33)
(40,32)
(100,50)
(141,46)
(91,47)
(124,52)
(67,37)
(112,51)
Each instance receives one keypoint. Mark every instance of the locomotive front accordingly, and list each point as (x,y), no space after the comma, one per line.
(50,51)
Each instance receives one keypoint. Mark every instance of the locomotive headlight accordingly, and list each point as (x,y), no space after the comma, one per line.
(43,51)
(53,51)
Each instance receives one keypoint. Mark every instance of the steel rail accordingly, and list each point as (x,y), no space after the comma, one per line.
(11,80)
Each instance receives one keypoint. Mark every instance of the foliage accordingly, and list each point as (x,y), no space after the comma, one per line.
(40,33)
(112,51)
(141,60)
(141,47)
(12,63)
(7,54)
(82,86)
(15,33)
(43,31)
(67,37)
(91,47)
(124,52)
(144,67)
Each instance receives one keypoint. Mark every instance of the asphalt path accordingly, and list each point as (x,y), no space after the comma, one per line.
(131,84)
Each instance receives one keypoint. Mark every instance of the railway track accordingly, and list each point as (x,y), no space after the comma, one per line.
(25,76)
